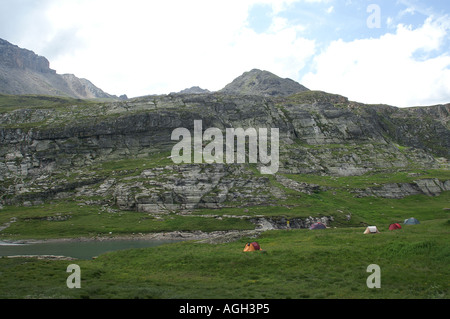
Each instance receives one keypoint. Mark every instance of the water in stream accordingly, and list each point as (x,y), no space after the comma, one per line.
(75,249)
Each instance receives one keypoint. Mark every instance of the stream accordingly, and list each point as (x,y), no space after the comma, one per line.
(76,249)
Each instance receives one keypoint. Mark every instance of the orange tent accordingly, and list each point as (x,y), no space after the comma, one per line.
(252,246)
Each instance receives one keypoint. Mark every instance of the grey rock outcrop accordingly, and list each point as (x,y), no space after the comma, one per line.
(426,186)
(263,223)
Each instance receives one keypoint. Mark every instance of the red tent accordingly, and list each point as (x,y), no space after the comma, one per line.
(256,245)
(394,226)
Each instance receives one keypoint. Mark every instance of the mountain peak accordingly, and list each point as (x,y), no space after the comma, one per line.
(193,90)
(261,82)
(24,72)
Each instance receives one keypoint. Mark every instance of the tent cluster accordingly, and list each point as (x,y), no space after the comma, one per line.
(394,226)
(254,246)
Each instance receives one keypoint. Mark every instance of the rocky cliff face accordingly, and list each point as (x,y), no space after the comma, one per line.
(12,56)
(430,187)
(24,72)
(118,153)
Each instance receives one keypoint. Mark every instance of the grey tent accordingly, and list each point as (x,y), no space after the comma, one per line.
(411,221)
(317,226)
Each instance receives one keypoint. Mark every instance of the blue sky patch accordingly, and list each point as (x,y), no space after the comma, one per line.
(260,17)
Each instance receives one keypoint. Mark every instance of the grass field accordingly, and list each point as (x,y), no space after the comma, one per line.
(295,264)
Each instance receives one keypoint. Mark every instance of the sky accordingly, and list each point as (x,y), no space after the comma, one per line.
(394,52)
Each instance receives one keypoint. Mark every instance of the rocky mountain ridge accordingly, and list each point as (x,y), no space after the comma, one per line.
(24,72)
(118,153)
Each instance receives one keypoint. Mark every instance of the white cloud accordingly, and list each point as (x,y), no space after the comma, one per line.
(152,47)
(149,47)
(385,70)
(139,47)
(409,10)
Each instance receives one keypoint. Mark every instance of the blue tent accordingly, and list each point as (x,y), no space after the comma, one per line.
(411,221)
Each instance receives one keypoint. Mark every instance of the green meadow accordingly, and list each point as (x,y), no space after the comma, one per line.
(296,264)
